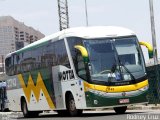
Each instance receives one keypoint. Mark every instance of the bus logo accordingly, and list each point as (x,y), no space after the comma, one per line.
(35,88)
(67,75)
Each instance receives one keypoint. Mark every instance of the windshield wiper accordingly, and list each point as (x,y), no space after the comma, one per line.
(132,76)
(121,64)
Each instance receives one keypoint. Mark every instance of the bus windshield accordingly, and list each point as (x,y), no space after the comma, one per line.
(113,60)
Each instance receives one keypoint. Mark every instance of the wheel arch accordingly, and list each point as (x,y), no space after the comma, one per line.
(21,100)
(75,111)
(67,94)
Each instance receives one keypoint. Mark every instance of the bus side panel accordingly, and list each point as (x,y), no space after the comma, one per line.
(77,91)
(14,100)
(14,92)
(38,89)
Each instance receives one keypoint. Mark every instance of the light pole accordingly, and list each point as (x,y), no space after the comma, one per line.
(86,11)
(154,46)
(153,32)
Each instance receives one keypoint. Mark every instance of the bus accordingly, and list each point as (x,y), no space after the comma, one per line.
(78,69)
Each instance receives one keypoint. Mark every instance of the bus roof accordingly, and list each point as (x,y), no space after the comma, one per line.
(83,32)
(98,31)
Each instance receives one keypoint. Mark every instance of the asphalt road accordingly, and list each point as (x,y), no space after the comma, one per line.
(90,115)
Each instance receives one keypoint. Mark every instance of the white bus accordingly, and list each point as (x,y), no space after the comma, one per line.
(77,69)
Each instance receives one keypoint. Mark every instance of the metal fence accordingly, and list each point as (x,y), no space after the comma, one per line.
(154,85)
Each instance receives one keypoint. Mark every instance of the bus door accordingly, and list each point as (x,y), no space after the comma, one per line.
(57,87)
(63,80)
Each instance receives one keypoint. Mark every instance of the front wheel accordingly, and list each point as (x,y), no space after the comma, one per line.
(120,110)
(71,107)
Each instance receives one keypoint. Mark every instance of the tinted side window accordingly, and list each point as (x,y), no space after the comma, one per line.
(36,56)
(51,54)
(77,58)
(27,61)
(72,42)
(61,56)
(47,57)
(16,63)
(8,65)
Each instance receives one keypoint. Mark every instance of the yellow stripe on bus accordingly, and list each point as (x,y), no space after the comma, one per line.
(112,89)
(36,89)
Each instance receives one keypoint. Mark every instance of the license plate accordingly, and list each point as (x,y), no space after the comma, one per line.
(123,100)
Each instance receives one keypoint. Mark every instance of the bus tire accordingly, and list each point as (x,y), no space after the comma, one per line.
(71,107)
(120,110)
(24,108)
(26,112)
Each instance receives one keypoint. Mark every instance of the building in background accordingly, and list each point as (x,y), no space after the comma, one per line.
(15,35)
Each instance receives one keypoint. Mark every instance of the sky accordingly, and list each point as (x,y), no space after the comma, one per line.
(43,15)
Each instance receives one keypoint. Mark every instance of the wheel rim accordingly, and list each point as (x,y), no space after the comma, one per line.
(72,105)
(25,108)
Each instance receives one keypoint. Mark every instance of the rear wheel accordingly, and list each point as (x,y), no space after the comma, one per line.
(120,110)
(71,107)
(24,108)
(25,111)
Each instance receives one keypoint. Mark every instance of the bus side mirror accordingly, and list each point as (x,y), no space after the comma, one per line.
(82,62)
(149,47)
(83,52)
